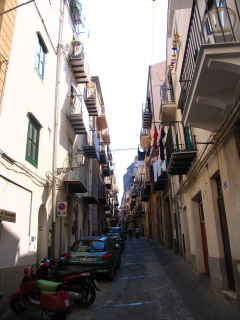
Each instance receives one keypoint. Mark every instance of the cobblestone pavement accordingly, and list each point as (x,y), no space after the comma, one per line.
(142,290)
(195,292)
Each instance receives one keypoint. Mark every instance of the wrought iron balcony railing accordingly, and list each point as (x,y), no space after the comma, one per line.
(76,14)
(75,176)
(180,151)
(220,24)
(91,145)
(167,93)
(102,192)
(91,197)
(146,115)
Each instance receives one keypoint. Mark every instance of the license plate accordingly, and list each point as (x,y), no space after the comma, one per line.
(67,302)
(86,259)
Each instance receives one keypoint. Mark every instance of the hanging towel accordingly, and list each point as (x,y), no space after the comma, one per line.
(155,170)
(155,137)
(162,156)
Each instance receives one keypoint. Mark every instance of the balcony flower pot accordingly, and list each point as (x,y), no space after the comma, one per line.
(76,43)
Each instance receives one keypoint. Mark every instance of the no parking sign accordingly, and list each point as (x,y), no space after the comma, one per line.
(61,209)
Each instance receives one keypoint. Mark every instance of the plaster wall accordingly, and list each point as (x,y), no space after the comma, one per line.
(228,158)
(26,92)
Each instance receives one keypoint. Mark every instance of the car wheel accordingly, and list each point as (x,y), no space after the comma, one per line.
(16,306)
(119,263)
(110,275)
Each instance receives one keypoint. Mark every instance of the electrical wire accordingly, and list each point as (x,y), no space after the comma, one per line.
(20,5)
(24,173)
(33,176)
(124,149)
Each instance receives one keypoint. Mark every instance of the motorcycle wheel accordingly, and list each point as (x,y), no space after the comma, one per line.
(88,294)
(56,315)
(16,306)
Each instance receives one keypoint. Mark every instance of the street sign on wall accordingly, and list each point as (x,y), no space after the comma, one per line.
(7,215)
(61,209)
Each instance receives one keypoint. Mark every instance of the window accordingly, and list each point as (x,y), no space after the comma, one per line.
(33,141)
(40,56)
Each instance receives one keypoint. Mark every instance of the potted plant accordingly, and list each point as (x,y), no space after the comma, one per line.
(75,43)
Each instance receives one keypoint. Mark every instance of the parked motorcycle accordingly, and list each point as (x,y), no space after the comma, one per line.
(120,243)
(79,282)
(43,295)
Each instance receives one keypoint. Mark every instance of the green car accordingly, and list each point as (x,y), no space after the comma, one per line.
(95,252)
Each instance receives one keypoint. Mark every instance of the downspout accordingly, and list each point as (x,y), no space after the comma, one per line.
(55,130)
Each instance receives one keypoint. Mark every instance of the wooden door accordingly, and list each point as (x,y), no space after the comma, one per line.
(225,237)
(204,235)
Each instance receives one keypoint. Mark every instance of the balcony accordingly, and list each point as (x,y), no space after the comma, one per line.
(77,61)
(211,62)
(102,155)
(106,137)
(78,115)
(144,137)
(146,115)
(141,155)
(76,14)
(109,153)
(91,145)
(145,191)
(91,197)
(107,207)
(108,183)
(106,170)
(102,192)
(214,86)
(160,176)
(168,104)
(76,178)
(102,122)
(90,98)
(179,149)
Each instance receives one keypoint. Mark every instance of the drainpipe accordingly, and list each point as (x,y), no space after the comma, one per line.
(55,130)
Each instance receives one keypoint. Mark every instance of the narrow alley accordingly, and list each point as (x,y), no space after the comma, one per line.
(152,283)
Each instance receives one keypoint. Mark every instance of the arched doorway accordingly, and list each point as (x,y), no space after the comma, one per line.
(42,237)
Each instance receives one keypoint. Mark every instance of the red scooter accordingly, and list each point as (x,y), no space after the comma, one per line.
(79,283)
(42,295)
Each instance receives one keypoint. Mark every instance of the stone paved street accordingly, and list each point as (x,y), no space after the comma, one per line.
(142,289)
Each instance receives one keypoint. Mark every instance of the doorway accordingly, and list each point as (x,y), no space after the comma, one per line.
(225,236)
(204,235)
(168,238)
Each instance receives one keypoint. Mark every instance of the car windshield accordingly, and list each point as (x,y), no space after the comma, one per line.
(88,245)
(112,230)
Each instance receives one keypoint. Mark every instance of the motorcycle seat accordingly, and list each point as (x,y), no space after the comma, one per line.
(50,287)
(63,274)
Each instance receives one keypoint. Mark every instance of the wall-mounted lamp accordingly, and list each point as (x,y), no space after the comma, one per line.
(80,157)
